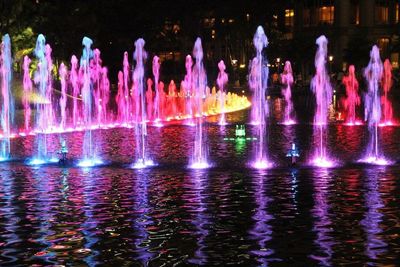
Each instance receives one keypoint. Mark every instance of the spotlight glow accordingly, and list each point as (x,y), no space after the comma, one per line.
(87,163)
(140,164)
(322,162)
(375,161)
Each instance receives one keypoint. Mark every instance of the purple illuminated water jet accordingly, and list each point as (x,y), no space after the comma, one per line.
(373,74)
(142,158)
(89,156)
(321,87)
(258,82)
(199,83)
(287,81)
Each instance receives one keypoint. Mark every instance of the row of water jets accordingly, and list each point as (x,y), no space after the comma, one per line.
(90,82)
(376,75)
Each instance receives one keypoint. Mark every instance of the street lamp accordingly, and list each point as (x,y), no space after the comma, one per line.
(330,58)
(278,61)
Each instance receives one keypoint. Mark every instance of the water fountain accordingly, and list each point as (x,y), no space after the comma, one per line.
(27,85)
(287,81)
(156,106)
(186,86)
(63,100)
(222,80)
(74,80)
(127,112)
(352,99)
(321,87)
(43,104)
(142,158)
(373,74)
(89,156)
(199,83)
(7,105)
(258,82)
(387,85)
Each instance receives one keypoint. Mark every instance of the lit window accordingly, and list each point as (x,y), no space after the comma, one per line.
(289,17)
(356,18)
(383,44)
(381,14)
(397,18)
(326,14)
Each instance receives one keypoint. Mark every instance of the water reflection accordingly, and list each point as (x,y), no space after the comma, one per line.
(200,218)
(375,245)
(261,231)
(143,220)
(322,223)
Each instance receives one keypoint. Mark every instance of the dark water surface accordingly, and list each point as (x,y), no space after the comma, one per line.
(227,215)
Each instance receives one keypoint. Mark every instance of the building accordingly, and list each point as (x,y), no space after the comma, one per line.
(351,26)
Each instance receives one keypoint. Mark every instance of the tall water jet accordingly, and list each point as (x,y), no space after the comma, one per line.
(7,105)
(156,106)
(199,83)
(222,80)
(387,85)
(50,116)
(187,88)
(74,80)
(27,84)
(352,99)
(63,99)
(95,73)
(42,78)
(89,157)
(373,74)
(258,82)
(287,81)
(127,94)
(104,94)
(321,87)
(139,55)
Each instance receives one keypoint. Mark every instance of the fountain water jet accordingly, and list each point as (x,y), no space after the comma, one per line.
(352,100)
(63,100)
(27,84)
(387,85)
(89,155)
(287,80)
(373,74)
(199,83)
(142,159)
(43,104)
(156,106)
(258,82)
(74,79)
(7,106)
(222,80)
(322,89)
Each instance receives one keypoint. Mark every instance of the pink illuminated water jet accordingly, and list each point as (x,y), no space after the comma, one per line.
(387,112)
(27,84)
(222,80)
(352,98)
(321,87)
